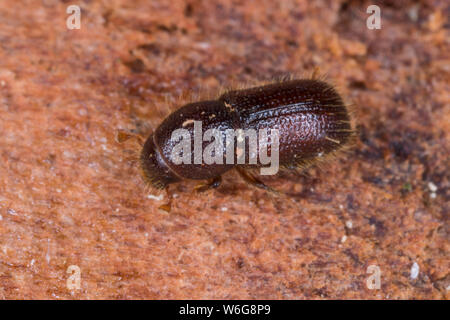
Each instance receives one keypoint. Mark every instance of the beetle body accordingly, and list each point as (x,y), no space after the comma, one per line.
(310,117)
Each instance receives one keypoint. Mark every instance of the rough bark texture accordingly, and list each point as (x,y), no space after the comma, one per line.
(70,196)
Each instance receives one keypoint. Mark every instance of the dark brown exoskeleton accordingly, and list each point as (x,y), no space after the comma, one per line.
(311,118)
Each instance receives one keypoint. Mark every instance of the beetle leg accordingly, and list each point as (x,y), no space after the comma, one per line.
(167,206)
(254,181)
(210,184)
